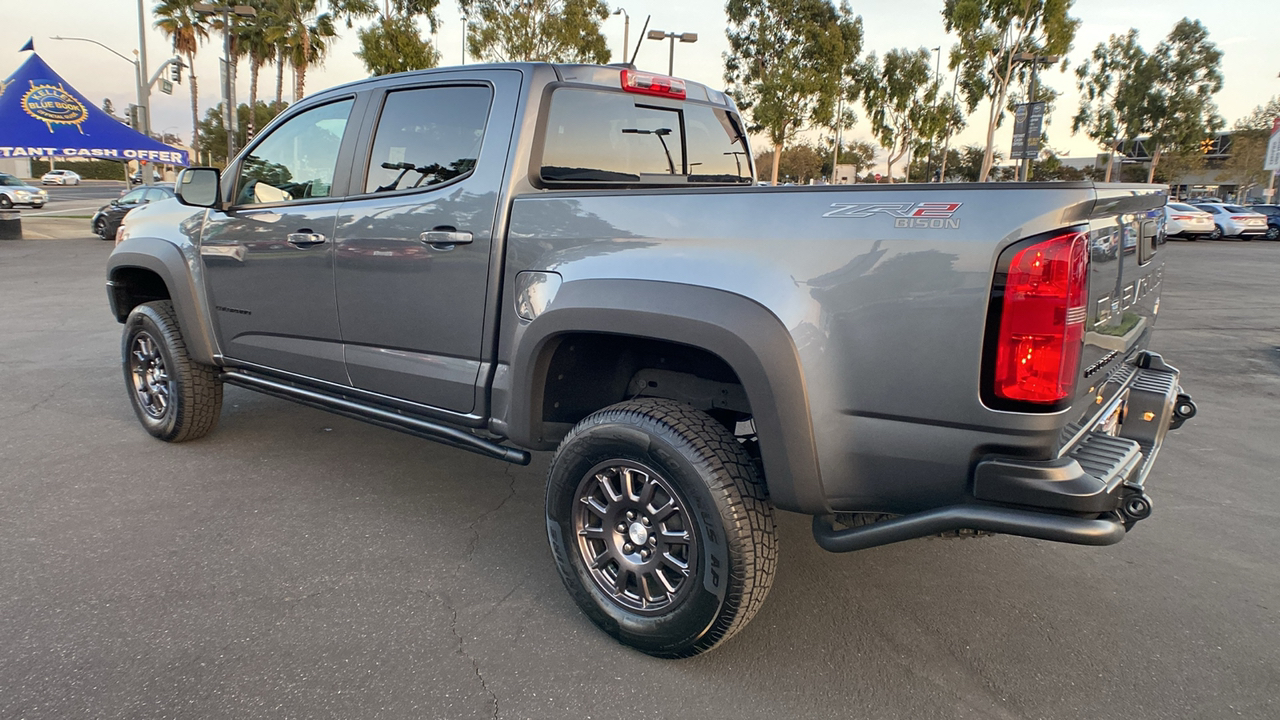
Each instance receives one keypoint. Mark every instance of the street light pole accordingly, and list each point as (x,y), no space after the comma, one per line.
(682,37)
(1036,61)
(228,12)
(139,85)
(144,94)
(465,21)
(626,31)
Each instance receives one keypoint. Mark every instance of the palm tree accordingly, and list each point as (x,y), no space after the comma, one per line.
(304,33)
(178,20)
(252,40)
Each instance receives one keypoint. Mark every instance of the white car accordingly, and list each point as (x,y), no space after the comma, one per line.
(1234,221)
(1181,220)
(60,177)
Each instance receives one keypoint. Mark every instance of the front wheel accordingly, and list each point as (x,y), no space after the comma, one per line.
(174,397)
(1216,234)
(100,228)
(660,527)
(5,202)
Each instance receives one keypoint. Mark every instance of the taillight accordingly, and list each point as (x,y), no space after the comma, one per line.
(1239,218)
(650,84)
(1184,217)
(1042,317)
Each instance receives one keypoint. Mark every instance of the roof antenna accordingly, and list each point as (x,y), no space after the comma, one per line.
(632,61)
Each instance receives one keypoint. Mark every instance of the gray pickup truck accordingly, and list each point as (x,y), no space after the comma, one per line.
(524,257)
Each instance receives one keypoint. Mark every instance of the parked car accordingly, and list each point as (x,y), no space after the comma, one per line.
(136,177)
(1273,219)
(896,361)
(1234,221)
(60,177)
(1186,221)
(15,191)
(107,219)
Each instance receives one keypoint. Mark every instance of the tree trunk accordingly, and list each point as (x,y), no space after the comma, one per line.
(777,160)
(254,65)
(942,174)
(279,76)
(195,109)
(1111,159)
(997,108)
(1155,160)
(300,69)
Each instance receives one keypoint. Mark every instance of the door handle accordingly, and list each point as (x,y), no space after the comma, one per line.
(444,238)
(305,239)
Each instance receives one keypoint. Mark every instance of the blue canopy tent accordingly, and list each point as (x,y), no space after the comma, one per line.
(42,116)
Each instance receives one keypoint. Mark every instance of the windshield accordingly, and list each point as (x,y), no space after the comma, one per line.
(11,181)
(595,136)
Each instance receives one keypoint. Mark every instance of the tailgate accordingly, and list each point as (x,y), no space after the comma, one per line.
(1126,243)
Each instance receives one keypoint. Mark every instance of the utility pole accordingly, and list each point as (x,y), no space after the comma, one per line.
(465,21)
(946,142)
(835,155)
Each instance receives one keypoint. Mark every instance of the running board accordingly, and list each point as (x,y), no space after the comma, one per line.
(378,416)
(1026,523)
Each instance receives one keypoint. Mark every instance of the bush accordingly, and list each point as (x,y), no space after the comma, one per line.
(87,169)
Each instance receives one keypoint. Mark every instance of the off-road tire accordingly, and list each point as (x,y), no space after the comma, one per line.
(194,390)
(728,504)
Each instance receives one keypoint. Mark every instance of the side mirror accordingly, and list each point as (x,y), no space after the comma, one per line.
(199,187)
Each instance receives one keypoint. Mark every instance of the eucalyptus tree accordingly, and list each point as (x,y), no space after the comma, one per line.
(394,44)
(536,30)
(789,64)
(1111,83)
(900,97)
(992,33)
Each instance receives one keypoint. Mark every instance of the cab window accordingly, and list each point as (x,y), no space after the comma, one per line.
(133,197)
(427,136)
(297,160)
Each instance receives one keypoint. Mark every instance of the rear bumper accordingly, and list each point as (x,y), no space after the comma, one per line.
(1091,495)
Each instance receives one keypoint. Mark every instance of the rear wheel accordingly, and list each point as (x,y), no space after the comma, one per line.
(1273,233)
(1216,234)
(660,527)
(174,397)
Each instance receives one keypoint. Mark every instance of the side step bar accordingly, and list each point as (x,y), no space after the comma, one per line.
(1043,526)
(377,416)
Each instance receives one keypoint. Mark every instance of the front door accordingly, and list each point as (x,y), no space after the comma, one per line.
(412,265)
(269,258)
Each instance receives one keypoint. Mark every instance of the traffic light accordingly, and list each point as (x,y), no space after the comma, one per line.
(132,114)
(175,70)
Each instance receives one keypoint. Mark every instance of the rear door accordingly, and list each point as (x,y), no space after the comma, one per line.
(269,257)
(413,248)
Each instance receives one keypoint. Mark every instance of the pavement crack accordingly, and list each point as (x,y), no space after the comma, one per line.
(475,532)
(462,650)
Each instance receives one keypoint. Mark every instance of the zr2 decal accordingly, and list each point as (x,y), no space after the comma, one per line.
(938,215)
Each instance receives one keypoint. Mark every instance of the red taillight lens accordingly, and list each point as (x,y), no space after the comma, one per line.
(650,84)
(1239,218)
(1042,321)
(1184,217)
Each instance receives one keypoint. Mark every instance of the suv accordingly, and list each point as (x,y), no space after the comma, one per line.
(574,258)
(1273,219)
(18,192)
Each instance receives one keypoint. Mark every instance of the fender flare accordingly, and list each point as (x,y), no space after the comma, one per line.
(173,267)
(738,330)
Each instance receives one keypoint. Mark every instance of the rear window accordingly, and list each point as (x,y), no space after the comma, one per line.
(1182,208)
(1236,209)
(612,137)
(1208,209)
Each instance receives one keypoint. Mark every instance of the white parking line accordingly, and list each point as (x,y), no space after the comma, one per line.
(58,212)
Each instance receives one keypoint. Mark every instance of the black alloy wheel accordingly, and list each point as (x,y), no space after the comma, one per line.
(100,228)
(635,536)
(660,526)
(152,385)
(174,397)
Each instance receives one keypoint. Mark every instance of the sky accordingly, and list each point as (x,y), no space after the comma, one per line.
(1251,55)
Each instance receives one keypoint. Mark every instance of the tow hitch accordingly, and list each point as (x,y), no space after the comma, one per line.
(1184,408)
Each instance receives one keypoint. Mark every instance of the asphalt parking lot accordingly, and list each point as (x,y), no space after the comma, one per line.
(296,564)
